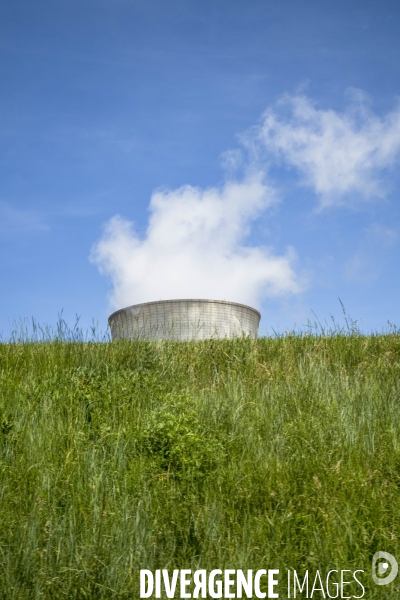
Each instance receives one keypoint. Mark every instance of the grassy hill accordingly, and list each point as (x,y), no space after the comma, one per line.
(276,453)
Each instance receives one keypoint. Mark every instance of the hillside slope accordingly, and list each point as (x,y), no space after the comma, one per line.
(276,453)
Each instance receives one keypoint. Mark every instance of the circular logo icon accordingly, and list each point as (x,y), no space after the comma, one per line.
(380,569)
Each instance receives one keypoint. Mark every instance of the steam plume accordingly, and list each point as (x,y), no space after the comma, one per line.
(194,248)
(195,243)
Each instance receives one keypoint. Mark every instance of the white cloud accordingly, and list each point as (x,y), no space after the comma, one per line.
(195,243)
(338,154)
(231,161)
(194,248)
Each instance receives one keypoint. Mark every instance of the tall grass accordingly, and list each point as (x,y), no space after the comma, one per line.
(244,454)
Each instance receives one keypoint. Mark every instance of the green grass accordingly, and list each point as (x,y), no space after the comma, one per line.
(276,453)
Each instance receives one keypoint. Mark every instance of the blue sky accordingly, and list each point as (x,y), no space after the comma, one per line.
(281,118)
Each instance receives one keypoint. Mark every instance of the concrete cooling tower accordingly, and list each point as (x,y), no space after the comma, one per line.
(184,320)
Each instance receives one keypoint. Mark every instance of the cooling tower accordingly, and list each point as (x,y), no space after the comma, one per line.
(184,320)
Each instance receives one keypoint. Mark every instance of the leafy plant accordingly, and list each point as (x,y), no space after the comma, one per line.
(175,436)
